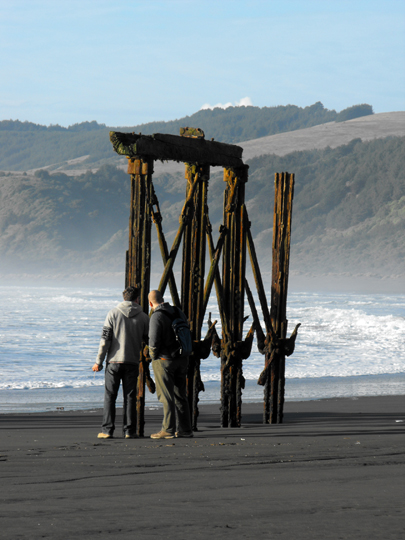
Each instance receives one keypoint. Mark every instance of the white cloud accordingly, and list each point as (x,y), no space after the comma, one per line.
(244,102)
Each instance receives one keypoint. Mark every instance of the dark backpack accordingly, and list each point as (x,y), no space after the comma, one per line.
(183,345)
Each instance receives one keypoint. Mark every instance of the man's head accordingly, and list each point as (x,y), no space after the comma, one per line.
(155,298)
(131,294)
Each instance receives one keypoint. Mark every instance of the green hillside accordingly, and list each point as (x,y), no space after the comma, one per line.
(25,146)
(348,216)
(58,222)
(349,206)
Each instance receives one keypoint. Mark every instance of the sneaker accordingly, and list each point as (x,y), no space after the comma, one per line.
(129,436)
(104,436)
(162,435)
(184,434)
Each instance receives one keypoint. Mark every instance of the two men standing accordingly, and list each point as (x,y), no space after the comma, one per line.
(125,327)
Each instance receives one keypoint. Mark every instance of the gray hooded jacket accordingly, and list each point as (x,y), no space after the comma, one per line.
(125,327)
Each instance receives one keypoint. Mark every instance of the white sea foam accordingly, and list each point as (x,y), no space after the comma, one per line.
(49,337)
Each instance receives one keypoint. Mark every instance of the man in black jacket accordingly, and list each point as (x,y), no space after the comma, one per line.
(170,373)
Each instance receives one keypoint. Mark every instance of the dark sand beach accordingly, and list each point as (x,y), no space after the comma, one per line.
(333,469)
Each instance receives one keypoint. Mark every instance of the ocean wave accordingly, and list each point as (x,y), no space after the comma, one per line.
(53,340)
(250,376)
(49,385)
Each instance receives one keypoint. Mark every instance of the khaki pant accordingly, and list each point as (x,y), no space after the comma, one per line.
(170,378)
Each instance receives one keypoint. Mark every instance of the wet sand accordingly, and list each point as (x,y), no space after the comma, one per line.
(333,469)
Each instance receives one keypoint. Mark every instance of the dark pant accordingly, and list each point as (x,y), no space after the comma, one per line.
(114,374)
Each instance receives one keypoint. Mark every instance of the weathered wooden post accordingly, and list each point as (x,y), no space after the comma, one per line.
(157,219)
(139,257)
(273,343)
(233,288)
(193,273)
(275,383)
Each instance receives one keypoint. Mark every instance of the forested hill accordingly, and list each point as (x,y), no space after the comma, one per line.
(348,216)
(25,146)
(349,208)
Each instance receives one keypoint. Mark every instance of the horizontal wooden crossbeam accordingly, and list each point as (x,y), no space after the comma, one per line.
(174,148)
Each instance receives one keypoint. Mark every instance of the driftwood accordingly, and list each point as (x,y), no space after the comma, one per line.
(174,148)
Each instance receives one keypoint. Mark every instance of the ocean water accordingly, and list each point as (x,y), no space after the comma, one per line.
(348,346)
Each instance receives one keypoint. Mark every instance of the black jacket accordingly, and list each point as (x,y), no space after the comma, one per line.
(161,336)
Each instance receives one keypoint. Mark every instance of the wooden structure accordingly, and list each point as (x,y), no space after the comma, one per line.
(195,233)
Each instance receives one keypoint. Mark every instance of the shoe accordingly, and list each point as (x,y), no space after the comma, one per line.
(104,436)
(162,435)
(184,434)
(129,436)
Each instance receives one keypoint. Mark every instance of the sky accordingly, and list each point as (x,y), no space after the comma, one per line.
(129,62)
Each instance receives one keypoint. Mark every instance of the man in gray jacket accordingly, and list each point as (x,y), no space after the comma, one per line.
(125,327)
(170,373)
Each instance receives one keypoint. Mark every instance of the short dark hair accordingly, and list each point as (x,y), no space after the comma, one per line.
(131,294)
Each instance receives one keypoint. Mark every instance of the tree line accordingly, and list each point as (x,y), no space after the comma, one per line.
(24,145)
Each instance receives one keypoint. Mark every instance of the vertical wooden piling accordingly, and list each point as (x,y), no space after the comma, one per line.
(275,383)
(157,219)
(193,272)
(233,288)
(139,257)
